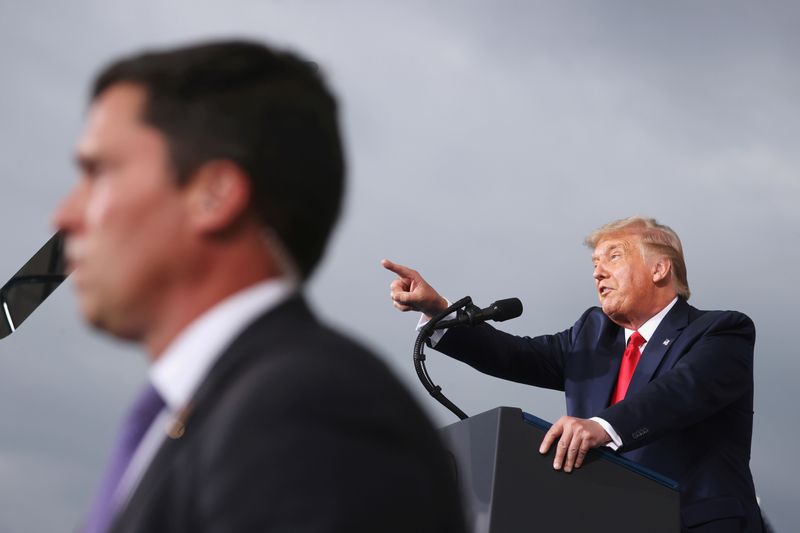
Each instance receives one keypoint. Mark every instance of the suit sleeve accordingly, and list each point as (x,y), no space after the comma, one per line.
(537,361)
(715,371)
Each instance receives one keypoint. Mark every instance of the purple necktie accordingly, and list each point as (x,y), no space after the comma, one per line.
(140,417)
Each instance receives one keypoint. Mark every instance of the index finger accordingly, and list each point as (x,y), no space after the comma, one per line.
(400,270)
(552,434)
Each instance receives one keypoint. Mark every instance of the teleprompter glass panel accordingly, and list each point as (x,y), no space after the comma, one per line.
(32,284)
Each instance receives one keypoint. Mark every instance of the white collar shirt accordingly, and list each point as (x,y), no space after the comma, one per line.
(647,329)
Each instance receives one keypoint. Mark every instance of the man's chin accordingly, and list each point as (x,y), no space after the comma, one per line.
(609,309)
(617,316)
(95,320)
(105,321)
(116,330)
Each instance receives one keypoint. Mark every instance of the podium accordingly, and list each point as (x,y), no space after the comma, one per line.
(508,487)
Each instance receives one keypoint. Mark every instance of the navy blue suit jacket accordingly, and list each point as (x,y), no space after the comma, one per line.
(688,413)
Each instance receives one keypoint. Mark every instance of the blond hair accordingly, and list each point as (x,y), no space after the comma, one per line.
(655,238)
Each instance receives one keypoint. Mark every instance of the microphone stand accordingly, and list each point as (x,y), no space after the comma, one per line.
(419,357)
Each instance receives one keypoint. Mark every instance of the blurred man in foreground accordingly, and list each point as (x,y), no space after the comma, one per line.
(668,385)
(210,179)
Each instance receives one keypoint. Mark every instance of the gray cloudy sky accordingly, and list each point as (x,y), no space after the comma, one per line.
(485,140)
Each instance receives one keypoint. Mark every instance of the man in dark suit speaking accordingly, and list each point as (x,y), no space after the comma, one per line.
(210,179)
(667,385)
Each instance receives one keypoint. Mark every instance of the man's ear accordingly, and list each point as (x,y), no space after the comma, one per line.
(218,194)
(661,269)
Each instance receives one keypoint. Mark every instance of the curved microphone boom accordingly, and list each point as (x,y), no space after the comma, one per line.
(467,315)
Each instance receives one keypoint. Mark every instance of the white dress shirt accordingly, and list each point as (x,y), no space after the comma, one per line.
(180,370)
(646,331)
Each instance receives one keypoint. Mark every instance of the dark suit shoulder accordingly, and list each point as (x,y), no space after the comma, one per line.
(317,430)
(304,370)
(711,321)
(320,358)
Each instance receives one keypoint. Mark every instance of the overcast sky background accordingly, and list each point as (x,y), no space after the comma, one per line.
(485,140)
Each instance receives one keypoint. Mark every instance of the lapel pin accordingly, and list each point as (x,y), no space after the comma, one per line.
(666,342)
(176,429)
(177,426)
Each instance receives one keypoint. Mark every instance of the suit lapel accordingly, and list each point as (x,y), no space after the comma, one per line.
(152,478)
(607,358)
(659,344)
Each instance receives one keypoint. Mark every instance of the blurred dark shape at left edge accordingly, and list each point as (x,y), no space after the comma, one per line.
(32,284)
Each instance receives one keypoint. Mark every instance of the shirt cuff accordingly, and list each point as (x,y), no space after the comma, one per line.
(616,442)
(439,333)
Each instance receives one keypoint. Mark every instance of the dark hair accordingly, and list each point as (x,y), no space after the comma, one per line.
(266,110)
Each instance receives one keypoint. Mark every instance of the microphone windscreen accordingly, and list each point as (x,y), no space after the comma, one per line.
(507,309)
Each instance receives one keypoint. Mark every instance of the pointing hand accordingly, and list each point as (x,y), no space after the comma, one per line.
(410,292)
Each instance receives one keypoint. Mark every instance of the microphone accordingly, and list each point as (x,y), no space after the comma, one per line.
(471,315)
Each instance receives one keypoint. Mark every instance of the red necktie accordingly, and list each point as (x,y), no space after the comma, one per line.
(629,361)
